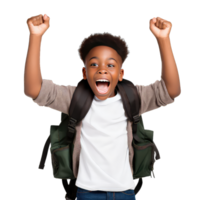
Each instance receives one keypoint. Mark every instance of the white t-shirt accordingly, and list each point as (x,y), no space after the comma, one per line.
(104,157)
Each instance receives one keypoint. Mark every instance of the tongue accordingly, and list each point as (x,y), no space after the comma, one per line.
(103,86)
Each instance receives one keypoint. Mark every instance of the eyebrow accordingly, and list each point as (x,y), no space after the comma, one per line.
(98,58)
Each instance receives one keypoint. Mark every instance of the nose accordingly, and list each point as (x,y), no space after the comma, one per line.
(102,71)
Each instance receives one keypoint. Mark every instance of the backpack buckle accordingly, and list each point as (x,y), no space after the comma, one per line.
(136,119)
(72,124)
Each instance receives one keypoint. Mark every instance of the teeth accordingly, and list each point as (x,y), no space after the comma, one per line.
(103,80)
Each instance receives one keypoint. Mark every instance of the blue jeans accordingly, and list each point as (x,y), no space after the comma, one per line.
(83,194)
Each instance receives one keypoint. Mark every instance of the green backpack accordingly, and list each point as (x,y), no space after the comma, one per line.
(62,136)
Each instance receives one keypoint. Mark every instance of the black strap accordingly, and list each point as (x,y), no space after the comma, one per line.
(70,189)
(44,155)
(71,130)
(138,186)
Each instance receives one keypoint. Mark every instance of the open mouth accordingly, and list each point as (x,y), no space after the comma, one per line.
(102,86)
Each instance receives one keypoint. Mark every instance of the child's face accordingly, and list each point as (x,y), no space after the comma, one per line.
(102,67)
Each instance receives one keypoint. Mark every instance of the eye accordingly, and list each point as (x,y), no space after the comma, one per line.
(95,64)
(92,64)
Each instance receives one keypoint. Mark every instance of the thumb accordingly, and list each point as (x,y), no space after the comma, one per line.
(154,20)
(47,20)
(46,16)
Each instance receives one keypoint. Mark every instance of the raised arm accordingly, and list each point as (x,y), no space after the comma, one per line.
(32,74)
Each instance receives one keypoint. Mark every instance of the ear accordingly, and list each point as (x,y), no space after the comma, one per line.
(121,74)
(84,73)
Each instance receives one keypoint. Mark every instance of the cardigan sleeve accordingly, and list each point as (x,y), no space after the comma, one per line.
(153,96)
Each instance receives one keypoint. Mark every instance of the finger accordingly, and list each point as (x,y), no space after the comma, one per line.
(161,21)
(160,24)
(40,18)
(152,21)
(164,24)
(35,20)
(157,22)
(28,19)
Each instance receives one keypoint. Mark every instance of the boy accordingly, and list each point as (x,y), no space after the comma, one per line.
(104,130)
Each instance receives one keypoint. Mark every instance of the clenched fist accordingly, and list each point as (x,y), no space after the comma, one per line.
(38,24)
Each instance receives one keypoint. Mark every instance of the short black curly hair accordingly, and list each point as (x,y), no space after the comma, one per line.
(106,39)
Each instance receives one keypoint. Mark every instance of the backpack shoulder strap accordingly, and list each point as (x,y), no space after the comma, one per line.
(130,98)
(80,104)
(81,101)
